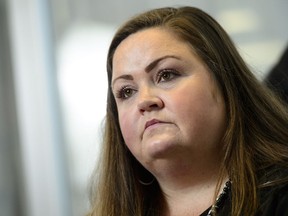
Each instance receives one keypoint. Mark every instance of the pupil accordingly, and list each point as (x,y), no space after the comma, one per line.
(128,91)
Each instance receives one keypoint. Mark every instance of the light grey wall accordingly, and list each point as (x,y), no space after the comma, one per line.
(10,171)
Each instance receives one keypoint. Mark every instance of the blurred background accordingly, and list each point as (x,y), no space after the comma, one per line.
(53,88)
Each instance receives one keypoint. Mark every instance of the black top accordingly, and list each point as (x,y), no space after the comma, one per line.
(273,202)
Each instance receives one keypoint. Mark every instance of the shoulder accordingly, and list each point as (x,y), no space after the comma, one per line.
(274,200)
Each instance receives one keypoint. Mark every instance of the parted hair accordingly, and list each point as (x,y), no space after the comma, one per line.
(254,144)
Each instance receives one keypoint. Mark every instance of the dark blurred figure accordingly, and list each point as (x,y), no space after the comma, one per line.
(277,78)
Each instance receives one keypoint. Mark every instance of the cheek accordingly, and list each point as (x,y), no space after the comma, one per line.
(199,110)
(127,129)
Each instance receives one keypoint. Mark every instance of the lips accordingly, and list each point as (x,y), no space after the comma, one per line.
(152,122)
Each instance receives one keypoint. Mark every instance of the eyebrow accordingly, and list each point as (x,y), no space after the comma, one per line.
(147,69)
(154,63)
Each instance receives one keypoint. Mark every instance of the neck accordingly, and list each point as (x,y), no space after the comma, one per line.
(178,174)
(188,190)
(190,201)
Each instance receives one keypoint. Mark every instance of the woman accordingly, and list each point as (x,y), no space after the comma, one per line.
(189,130)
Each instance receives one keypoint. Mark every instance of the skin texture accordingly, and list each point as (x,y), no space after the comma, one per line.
(171,111)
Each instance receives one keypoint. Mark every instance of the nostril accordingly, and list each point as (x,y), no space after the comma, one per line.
(154,106)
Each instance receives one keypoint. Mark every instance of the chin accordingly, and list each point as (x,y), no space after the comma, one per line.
(161,148)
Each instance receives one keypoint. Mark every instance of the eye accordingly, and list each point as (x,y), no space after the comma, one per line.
(125,92)
(166,75)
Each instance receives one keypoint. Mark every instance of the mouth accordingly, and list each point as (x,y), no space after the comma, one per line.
(152,122)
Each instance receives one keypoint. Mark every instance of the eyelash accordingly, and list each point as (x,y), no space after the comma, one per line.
(159,76)
(121,92)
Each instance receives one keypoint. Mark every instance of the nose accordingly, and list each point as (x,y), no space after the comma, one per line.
(149,101)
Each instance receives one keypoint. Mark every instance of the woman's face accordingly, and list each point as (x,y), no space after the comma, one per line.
(169,105)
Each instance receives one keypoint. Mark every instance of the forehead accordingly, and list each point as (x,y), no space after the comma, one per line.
(144,46)
(148,38)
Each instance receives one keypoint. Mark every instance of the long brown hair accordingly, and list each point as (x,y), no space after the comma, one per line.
(256,137)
